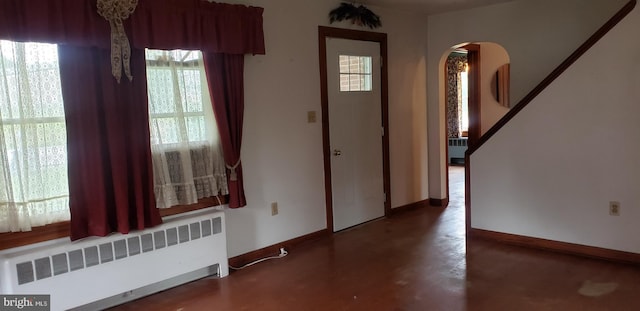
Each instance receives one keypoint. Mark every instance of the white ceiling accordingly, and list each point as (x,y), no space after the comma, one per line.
(431,6)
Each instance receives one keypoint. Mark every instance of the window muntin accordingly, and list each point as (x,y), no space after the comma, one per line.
(355,73)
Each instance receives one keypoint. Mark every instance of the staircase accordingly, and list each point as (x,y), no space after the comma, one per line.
(544,175)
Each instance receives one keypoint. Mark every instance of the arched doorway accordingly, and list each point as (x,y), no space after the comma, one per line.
(479,70)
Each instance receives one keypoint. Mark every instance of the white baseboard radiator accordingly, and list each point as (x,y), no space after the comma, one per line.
(96,273)
(457,148)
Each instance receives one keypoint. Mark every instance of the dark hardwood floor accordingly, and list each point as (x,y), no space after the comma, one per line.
(417,260)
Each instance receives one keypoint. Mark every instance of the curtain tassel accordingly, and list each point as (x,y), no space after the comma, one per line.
(233,175)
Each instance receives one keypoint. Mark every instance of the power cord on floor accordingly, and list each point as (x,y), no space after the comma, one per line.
(283,253)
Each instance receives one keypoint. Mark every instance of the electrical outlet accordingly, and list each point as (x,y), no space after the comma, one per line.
(274,208)
(614,208)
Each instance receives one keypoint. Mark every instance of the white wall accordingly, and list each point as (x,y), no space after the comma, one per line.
(538,36)
(282,153)
(551,172)
(492,57)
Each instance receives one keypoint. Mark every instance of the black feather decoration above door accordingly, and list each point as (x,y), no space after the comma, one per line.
(359,15)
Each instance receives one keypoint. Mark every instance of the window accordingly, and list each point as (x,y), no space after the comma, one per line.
(33,153)
(464,101)
(355,73)
(187,158)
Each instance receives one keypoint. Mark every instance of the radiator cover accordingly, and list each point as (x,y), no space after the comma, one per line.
(457,148)
(91,269)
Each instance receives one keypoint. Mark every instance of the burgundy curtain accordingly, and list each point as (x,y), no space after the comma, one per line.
(110,175)
(225,74)
(110,179)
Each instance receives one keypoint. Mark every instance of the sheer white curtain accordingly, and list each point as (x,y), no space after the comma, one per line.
(187,157)
(33,152)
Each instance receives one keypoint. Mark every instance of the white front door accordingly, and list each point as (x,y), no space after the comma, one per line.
(355,131)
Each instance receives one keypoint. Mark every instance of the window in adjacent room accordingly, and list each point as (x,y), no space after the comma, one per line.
(187,157)
(355,73)
(33,152)
(464,100)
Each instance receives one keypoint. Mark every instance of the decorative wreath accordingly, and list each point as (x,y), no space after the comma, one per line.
(359,15)
(115,11)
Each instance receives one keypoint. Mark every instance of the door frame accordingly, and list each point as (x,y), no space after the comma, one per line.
(473,59)
(475,130)
(381,38)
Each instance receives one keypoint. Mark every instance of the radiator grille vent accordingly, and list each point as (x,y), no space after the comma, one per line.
(134,245)
(183,233)
(51,266)
(43,268)
(91,256)
(120,247)
(60,264)
(172,236)
(106,252)
(76,261)
(159,238)
(25,272)
(458,142)
(147,242)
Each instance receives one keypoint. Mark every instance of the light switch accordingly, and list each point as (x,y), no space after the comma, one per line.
(311,116)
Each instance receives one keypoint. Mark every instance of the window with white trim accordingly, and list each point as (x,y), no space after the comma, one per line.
(33,151)
(187,158)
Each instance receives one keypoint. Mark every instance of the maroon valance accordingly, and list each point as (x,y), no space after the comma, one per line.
(159,24)
(73,22)
(198,24)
